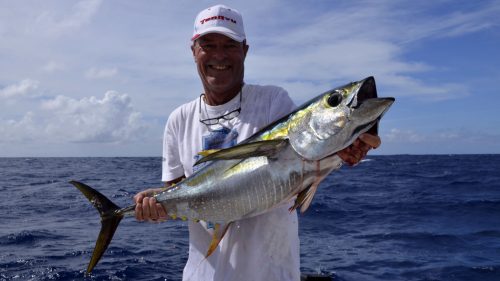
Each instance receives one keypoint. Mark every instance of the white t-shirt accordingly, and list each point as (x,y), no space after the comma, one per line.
(265,247)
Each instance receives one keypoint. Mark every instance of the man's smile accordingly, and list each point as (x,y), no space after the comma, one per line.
(219,67)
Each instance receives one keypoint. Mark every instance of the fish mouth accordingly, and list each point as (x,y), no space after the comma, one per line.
(368,89)
(372,110)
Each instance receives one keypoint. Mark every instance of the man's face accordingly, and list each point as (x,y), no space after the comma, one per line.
(220,61)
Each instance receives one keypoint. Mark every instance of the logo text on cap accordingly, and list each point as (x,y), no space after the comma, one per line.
(217,18)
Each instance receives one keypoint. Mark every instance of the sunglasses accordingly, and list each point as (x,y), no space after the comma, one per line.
(216,120)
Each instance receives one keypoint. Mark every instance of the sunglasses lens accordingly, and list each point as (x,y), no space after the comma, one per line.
(232,114)
(212,121)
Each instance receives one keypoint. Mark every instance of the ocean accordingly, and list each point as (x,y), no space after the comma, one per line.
(403,217)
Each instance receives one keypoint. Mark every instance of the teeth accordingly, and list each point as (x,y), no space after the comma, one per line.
(220,67)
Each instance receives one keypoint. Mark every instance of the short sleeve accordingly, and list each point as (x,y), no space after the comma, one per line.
(281,105)
(171,163)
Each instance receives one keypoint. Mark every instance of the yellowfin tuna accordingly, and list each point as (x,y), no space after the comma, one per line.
(285,160)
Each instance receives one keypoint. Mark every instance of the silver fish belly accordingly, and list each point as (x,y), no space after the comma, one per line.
(239,189)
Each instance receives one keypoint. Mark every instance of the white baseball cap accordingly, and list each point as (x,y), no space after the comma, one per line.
(219,19)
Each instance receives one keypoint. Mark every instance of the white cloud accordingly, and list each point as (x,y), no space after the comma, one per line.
(354,41)
(443,136)
(457,23)
(19,89)
(14,131)
(53,66)
(81,13)
(110,119)
(100,73)
(404,86)
(403,136)
(304,48)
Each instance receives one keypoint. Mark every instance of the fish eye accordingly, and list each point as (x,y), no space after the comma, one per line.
(334,99)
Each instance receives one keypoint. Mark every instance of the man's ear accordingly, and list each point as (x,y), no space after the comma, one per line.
(193,50)
(245,48)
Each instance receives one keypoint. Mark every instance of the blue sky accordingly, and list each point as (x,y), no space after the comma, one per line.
(99,78)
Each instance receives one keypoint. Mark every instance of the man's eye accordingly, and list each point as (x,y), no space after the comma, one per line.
(232,47)
(208,47)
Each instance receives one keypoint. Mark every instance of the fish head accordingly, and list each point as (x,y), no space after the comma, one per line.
(333,120)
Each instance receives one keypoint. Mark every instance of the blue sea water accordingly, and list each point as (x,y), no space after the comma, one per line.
(433,217)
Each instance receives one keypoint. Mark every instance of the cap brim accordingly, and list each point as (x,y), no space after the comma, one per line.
(220,30)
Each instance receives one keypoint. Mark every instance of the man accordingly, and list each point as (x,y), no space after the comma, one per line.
(265,247)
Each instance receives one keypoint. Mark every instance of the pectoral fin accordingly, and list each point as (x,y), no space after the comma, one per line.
(252,149)
(309,197)
(304,198)
(219,232)
(207,152)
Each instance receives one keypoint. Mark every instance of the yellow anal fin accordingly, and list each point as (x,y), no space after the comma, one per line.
(219,232)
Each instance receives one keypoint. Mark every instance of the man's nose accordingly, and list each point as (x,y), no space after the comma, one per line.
(220,53)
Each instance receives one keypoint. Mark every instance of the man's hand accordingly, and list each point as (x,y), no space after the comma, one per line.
(147,209)
(353,154)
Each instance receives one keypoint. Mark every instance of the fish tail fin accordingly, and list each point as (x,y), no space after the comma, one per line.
(109,220)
